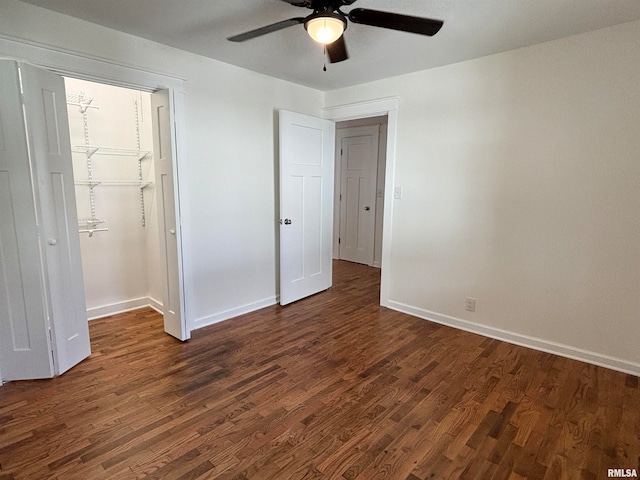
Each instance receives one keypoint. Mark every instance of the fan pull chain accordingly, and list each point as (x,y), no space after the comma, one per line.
(324,52)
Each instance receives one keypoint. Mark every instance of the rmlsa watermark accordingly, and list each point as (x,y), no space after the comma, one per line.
(622,473)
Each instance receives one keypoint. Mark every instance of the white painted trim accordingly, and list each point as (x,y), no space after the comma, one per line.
(234,312)
(156,305)
(534,343)
(97,69)
(384,106)
(369,108)
(65,62)
(122,307)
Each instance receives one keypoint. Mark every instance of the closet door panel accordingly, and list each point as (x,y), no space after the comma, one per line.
(168,215)
(46,113)
(25,349)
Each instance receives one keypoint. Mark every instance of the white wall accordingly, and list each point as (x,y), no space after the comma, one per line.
(521,182)
(229,203)
(120,266)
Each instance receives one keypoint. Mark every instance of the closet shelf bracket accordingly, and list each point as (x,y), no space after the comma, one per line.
(115,183)
(82,101)
(91,150)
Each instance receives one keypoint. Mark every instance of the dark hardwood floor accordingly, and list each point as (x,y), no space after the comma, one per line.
(332,387)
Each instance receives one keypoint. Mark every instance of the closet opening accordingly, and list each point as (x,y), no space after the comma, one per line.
(111,136)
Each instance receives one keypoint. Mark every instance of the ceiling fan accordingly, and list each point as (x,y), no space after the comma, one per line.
(327,23)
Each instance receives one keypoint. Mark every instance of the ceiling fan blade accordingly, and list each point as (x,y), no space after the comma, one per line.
(274,27)
(319,4)
(337,50)
(299,3)
(395,21)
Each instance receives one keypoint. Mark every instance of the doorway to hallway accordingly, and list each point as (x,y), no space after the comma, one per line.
(359,190)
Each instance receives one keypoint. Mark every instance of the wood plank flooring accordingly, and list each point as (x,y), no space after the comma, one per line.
(332,387)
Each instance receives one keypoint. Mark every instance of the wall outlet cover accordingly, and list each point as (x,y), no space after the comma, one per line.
(470,304)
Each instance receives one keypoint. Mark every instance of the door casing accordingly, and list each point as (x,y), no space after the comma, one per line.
(384,106)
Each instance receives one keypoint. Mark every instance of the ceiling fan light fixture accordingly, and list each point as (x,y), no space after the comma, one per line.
(325,27)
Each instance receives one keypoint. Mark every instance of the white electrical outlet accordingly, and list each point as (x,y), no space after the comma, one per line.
(397,193)
(470,304)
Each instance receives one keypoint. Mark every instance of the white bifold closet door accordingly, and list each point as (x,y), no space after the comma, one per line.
(43,322)
(168,215)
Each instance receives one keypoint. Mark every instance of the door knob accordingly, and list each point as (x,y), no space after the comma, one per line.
(172,232)
(287,221)
(52,241)
(367,208)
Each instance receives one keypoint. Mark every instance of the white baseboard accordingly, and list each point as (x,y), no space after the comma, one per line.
(121,307)
(233,312)
(155,304)
(562,350)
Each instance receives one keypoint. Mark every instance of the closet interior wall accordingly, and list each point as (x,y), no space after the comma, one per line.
(111,139)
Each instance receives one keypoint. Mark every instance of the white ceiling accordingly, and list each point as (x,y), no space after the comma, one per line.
(472,28)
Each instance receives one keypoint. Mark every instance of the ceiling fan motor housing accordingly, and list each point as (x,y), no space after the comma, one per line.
(328,5)
(333,23)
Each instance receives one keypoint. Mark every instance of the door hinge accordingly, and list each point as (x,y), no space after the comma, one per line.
(339,240)
(340,152)
(340,197)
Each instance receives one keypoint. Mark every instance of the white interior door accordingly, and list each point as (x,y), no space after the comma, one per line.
(168,214)
(306,201)
(25,346)
(48,132)
(359,164)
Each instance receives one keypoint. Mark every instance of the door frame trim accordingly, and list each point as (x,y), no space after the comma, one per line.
(384,106)
(84,66)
